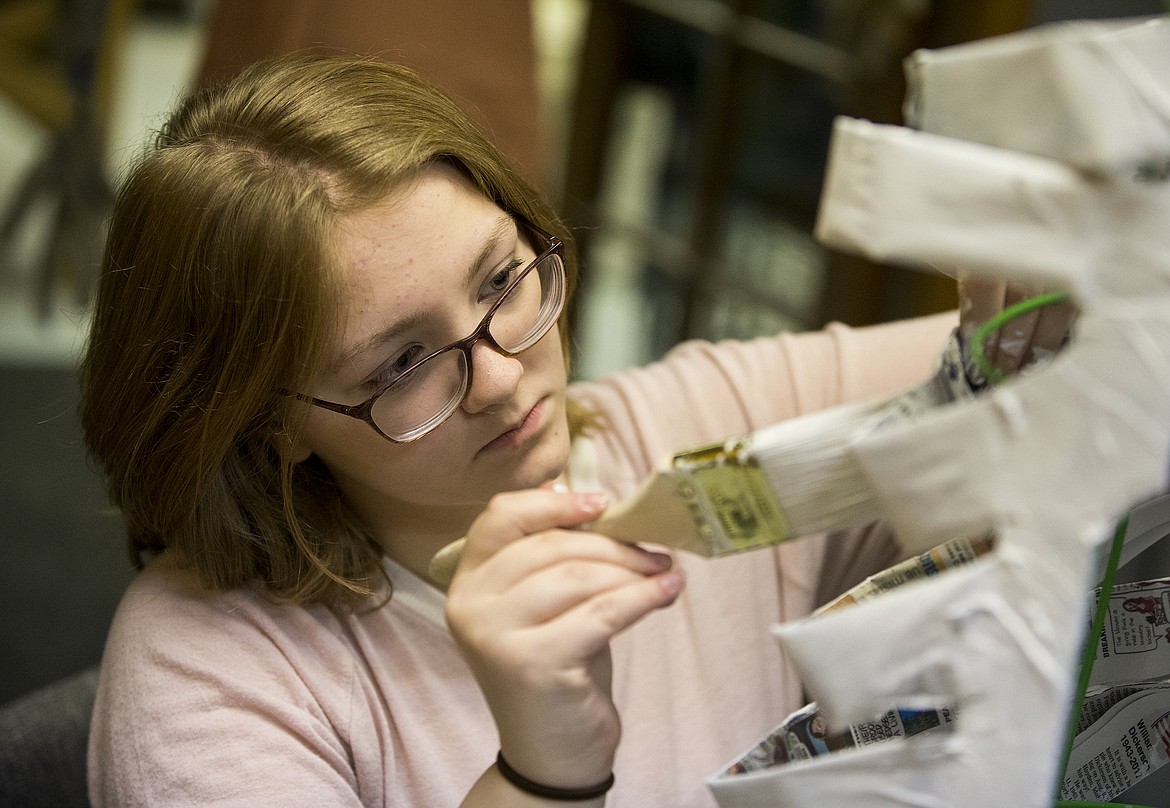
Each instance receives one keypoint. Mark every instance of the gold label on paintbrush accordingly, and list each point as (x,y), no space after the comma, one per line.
(728,498)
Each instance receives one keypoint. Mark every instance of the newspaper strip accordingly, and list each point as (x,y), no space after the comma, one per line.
(1126,744)
(1099,698)
(1148,523)
(1135,639)
(804,735)
(954,553)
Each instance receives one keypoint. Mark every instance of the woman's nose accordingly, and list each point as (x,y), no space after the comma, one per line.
(494,378)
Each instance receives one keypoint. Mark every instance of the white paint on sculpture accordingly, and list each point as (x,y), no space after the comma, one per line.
(1045,158)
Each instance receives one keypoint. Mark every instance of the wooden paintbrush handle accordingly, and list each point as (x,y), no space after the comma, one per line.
(443,564)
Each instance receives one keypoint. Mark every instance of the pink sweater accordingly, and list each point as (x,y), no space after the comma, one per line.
(227,699)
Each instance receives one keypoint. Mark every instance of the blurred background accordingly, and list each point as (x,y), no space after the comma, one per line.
(685,141)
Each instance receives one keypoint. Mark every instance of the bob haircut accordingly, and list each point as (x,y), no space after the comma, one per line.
(219,289)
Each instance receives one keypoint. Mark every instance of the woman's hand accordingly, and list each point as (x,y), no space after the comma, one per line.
(533,606)
(1024,340)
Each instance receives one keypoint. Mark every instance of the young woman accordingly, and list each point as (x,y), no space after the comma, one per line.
(329,339)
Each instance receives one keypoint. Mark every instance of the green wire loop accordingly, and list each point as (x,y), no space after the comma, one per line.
(990,372)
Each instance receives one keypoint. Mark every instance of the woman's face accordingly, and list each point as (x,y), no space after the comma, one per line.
(420,269)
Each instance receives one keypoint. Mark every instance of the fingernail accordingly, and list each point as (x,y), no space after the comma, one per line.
(671,582)
(555,485)
(660,560)
(593,501)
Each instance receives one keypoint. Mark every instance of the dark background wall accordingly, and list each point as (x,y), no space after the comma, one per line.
(62,566)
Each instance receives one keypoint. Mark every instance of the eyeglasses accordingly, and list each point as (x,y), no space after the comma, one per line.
(424,394)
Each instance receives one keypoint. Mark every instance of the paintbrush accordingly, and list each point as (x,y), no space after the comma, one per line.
(795,478)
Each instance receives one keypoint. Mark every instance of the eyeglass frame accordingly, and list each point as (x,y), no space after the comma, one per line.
(364,410)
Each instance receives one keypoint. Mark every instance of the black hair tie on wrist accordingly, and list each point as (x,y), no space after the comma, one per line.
(551,792)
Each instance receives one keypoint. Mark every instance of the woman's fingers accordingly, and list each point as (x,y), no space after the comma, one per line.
(980,299)
(523,569)
(1053,329)
(1012,342)
(563,615)
(538,580)
(515,514)
(1024,339)
(571,549)
(587,627)
(553,583)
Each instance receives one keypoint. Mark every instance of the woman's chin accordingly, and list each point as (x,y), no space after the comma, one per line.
(545,462)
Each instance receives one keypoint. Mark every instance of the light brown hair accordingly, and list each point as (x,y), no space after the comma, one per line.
(218,290)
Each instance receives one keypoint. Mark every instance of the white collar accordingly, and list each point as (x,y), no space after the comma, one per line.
(414,593)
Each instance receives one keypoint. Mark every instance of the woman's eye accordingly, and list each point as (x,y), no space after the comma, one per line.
(394,368)
(499,281)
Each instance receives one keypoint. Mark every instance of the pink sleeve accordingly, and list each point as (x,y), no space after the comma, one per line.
(702,392)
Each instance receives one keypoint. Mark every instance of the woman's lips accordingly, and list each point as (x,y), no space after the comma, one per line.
(531,424)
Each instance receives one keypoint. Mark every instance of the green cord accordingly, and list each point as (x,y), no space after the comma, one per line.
(990,372)
(1088,657)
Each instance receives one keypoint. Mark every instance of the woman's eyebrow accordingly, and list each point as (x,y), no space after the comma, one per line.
(352,354)
(503,228)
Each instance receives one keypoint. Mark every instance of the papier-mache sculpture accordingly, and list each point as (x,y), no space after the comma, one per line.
(1042,156)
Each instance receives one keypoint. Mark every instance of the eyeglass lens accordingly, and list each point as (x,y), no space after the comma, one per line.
(424,396)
